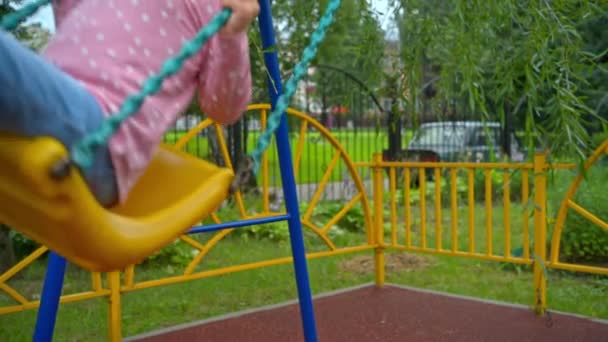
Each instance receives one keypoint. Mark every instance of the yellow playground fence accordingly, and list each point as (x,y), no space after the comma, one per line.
(437,208)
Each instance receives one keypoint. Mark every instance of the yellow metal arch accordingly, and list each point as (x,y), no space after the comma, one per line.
(322,232)
(341,153)
(569,203)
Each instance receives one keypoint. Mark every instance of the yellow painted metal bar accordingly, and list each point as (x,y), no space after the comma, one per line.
(215,218)
(540,232)
(588,215)
(335,144)
(300,147)
(488,181)
(479,256)
(393,192)
(210,244)
(130,276)
(563,210)
(265,171)
(341,213)
(22,264)
(438,207)
(507,211)
(96,281)
(242,267)
(408,208)
(422,189)
(64,299)
(471,193)
(321,187)
(447,165)
(13,293)
(181,143)
(579,268)
(190,241)
(454,203)
(214,241)
(378,222)
(115,333)
(77,297)
(349,163)
(321,234)
(525,194)
(224,148)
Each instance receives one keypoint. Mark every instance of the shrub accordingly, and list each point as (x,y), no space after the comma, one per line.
(275,231)
(177,253)
(583,241)
(352,221)
(598,138)
(22,245)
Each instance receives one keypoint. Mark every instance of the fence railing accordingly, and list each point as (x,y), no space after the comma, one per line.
(488,211)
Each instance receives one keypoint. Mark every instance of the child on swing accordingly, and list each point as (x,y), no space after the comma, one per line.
(102,52)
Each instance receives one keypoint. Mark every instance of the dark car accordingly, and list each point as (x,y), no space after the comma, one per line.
(459,141)
(456,141)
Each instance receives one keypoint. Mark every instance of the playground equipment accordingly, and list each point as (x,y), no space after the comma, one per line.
(44,197)
(64,216)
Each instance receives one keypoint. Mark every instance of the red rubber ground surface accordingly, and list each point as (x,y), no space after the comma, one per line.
(396,314)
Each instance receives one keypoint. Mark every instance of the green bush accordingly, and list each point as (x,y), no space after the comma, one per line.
(583,241)
(275,231)
(177,253)
(598,138)
(352,221)
(22,245)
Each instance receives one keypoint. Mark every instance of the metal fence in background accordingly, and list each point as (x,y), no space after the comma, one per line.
(360,121)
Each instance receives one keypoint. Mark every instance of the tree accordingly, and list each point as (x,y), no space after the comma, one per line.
(594,33)
(354,42)
(529,60)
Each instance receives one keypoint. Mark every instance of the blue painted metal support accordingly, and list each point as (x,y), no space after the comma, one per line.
(275,88)
(49,301)
(238,224)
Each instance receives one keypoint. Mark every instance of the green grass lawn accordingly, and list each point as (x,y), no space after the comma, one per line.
(165,306)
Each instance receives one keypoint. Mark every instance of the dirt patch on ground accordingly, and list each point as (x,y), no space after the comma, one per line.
(394,262)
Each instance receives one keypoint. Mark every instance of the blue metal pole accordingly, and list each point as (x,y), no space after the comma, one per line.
(237,224)
(298,251)
(49,302)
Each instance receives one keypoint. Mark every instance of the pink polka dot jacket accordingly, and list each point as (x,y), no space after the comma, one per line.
(113,46)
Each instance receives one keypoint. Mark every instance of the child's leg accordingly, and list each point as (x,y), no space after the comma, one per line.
(36,98)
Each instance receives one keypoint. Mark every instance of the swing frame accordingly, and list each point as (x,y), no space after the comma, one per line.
(58,169)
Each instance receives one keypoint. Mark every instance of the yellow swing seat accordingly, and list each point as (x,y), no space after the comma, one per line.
(175,193)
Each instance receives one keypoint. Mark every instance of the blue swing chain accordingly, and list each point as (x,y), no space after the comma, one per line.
(82,153)
(10,21)
(291,85)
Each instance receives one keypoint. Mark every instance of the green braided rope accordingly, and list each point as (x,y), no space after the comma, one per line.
(82,153)
(274,119)
(10,21)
